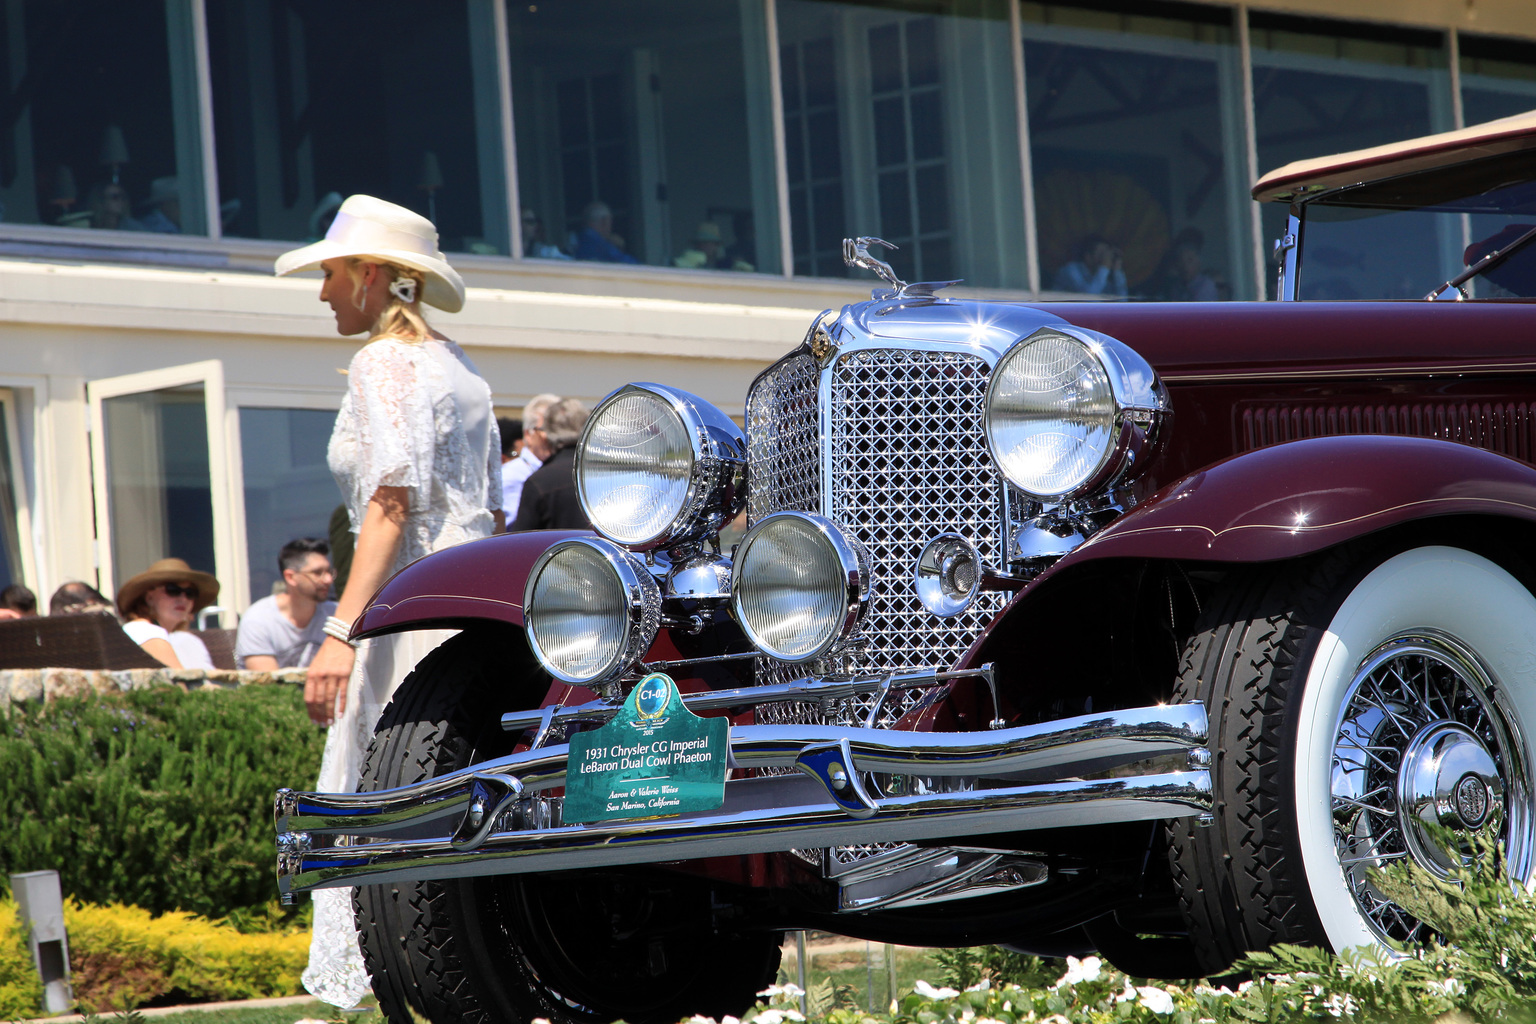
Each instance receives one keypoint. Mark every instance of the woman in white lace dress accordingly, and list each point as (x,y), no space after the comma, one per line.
(417,455)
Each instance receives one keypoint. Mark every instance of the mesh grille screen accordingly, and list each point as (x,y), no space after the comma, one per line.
(783,440)
(909,462)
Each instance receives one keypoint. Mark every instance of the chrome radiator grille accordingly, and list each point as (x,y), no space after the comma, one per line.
(908,461)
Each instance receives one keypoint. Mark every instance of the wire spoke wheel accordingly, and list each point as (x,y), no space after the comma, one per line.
(1423,746)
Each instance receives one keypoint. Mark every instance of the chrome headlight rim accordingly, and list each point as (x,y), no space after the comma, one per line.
(1141,409)
(855,566)
(642,609)
(716,490)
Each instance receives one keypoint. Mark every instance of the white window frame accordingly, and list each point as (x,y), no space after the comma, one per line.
(224,491)
(19,493)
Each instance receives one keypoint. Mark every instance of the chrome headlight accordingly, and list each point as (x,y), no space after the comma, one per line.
(1070,415)
(799,585)
(657,466)
(590,609)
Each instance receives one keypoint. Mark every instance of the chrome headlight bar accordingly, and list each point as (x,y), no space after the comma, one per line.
(657,466)
(1072,412)
(591,610)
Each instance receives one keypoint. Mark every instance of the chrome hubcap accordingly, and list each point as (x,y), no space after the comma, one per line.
(1423,746)
(1448,780)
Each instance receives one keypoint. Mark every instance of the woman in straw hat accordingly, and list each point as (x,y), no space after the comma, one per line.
(157,607)
(417,455)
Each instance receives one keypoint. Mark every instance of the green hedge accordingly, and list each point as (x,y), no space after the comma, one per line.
(158,798)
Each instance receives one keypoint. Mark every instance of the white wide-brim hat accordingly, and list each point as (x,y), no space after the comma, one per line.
(372,229)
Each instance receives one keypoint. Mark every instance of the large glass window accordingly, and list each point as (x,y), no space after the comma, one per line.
(900,121)
(1498,77)
(1136,136)
(1324,87)
(100,127)
(396,99)
(289,490)
(644,133)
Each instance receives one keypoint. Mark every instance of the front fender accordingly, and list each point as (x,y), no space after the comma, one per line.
(1295,499)
(452,588)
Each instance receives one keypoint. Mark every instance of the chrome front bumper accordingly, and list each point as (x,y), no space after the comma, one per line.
(495,817)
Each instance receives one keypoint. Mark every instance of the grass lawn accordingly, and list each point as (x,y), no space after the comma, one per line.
(263,1015)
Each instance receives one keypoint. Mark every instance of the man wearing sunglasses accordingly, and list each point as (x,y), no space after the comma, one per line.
(284,630)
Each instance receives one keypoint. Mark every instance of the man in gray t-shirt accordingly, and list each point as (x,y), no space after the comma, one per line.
(285,630)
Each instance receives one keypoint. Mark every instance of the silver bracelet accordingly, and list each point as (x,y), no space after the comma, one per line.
(340,629)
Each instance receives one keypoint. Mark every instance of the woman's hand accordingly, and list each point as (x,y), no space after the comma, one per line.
(325,687)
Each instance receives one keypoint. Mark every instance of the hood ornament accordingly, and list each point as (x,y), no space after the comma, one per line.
(856,254)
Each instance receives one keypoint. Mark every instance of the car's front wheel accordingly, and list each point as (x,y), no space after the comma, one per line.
(1359,706)
(574,947)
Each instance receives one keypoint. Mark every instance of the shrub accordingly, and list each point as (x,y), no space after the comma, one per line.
(122,957)
(21,991)
(157,798)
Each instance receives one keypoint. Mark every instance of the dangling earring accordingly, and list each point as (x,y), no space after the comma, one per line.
(360,296)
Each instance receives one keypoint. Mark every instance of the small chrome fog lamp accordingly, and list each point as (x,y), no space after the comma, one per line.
(591,610)
(799,586)
(948,574)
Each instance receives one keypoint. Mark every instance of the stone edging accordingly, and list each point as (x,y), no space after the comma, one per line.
(22,685)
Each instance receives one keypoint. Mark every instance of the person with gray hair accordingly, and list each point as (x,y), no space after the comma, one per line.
(549,500)
(515,472)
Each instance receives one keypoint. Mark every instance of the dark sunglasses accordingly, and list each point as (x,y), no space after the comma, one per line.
(177,590)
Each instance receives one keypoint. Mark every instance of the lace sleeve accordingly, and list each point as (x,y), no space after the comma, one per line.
(493,465)
(393,419)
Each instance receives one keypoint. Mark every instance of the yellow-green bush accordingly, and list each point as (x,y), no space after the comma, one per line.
(21,992)
(123,956)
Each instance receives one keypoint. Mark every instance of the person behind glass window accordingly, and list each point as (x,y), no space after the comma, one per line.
(515,473)
(534,242)
(1098,270)
(76,598)
(1194,284)
(596,240)
(707,251)
(549,500)
(157,607)
(416,454)
(162,210)
(284,630)
(109,208)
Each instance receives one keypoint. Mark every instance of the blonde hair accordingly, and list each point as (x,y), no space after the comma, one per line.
(398,319)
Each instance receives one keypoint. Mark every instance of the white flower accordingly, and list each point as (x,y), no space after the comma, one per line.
(1243,987)
(1155,999)
(1449,987)
(1128,994)
(777,1016)
(788,990)
(1057,1018)
(1079,971)
(981,986)
(927,991)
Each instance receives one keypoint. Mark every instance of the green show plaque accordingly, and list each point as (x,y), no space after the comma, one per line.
(654,759)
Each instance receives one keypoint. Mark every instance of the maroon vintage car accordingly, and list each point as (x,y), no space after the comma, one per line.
(1146,629)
